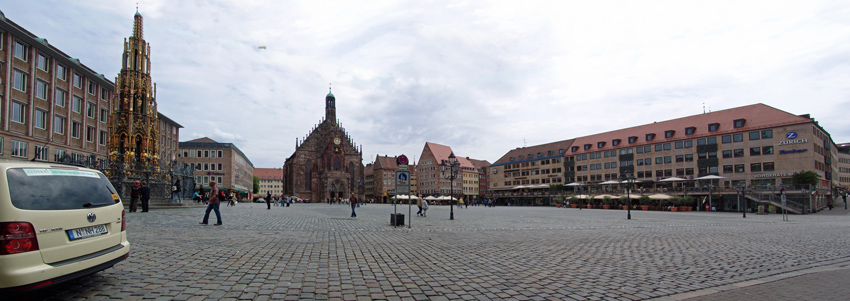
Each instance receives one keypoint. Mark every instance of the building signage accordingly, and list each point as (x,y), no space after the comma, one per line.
(793,151)
(792,139)
(772,175)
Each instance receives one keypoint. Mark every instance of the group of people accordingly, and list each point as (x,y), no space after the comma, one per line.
(278,201)
(423,207)
(140,191)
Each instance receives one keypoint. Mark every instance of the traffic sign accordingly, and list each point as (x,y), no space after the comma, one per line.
(402,181)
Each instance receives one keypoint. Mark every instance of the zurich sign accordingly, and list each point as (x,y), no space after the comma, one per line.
(791,135)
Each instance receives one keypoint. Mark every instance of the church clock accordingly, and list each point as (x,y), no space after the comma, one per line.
(337,141)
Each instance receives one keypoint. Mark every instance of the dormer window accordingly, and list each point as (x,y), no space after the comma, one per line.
(540,154)
(530,156)
(588,146)
(574,149)
(551,153)
(520,157)
(669,134)
(632,139)
(739,123)
(650,137)
(600,144)
(512,159)
(713,127)
(690,130)
(615,142)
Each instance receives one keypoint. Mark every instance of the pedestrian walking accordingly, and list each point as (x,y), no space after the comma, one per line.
(419,204)
(135,192)
(231,198)
(269,200)
(212,205)
(353,202)
(176,190)
(146,196)
(425,208)
(202,194)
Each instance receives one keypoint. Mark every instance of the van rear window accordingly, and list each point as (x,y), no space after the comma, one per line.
(58,189)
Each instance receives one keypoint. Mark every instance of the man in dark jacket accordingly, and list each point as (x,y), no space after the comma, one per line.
(146,196)
(269,200)
(135,192)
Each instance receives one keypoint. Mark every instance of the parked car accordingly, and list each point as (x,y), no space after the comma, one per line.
(57,223)
(260,200)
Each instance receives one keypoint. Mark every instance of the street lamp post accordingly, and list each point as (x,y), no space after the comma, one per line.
(454,166)
(742,187)
(629,179)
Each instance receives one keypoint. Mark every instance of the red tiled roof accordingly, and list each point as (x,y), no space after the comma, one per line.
(386,162)
(555,147)
(268,173)
(757,116)
(441,152)
(203,139)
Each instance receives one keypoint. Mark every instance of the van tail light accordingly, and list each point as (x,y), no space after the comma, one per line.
(17,237)
(123,221)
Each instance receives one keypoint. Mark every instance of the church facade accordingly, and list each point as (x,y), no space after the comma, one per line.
(326,163)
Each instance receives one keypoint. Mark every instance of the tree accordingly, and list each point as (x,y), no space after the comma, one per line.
(804,177)
(256,184)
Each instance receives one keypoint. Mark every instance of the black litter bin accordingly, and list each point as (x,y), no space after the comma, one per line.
(396,219)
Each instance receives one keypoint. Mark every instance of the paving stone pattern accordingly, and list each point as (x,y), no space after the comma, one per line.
(316,252)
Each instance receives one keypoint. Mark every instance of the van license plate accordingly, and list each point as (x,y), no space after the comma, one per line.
(87,232)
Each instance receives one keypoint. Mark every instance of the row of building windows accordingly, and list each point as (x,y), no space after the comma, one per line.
(202,154)
(535,181)
(206,166)
(757,135)
(206,179)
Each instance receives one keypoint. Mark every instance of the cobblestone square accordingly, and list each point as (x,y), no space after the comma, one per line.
(317,252)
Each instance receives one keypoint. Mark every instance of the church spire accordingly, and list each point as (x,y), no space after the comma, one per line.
(330,106)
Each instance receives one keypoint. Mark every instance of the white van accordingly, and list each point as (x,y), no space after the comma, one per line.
(57,223)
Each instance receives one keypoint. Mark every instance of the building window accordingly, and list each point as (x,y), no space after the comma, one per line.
(77,104)
(41,89)
(75,129)
(40,119)
(21,52)
(615,142)
(650,137)
(689,158)
(680,144)
(739,123)
(586,147)
(206,166)
(18,112)
(19,82)
(668,159)
(689,143)
(219,166)
(92,88)
(103,115)
(59,98)
(42,62)
(713,127)
(102,140)
(59,125)
(19,149)
(632,139)
(90,109)
(669,134)
(40,153)
(737,137)
(767,166)
(690,130)
(738,153)
(600,144)
(754,167)
(766,134)
(726,139)
(90,134)
(58,154)
(727,154)
(739,168)
(104,94)
(754,136)
(219,180)
(78,81)
(680,158)
(574,149)
(755,151)
(767,150)
(61,73)
(728,169)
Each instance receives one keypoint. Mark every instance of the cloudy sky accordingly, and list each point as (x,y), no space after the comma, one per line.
(483,77)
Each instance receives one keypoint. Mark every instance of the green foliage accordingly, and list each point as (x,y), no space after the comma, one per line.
(556,187)
(645,200)
(804,177)
(256,184)
(606,200)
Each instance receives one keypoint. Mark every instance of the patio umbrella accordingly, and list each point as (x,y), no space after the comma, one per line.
(672,179)
(660,197)
(710,177)
(582,196)
(602,196)
(431,198)
(609,182)
(574,184)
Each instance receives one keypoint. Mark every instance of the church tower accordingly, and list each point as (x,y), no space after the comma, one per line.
(330,107)
(133,122)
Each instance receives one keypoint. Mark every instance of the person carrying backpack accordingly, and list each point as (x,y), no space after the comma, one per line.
(216,196)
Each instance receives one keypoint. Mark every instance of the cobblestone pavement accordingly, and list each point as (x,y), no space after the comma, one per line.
(315,251)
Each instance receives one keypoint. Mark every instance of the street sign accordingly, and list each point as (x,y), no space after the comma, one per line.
(402,181)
